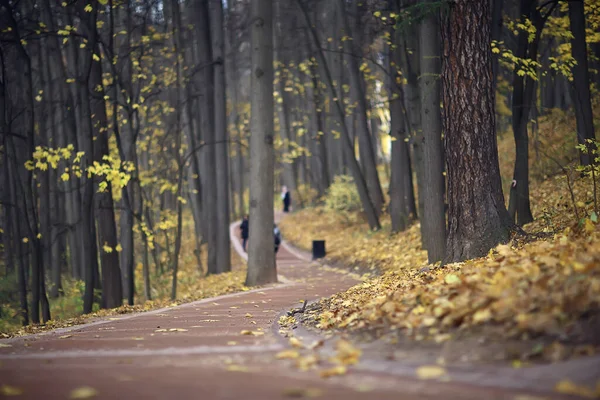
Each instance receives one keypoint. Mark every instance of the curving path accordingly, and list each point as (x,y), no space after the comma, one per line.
(197,351)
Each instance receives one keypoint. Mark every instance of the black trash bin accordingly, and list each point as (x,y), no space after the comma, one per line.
(318,249)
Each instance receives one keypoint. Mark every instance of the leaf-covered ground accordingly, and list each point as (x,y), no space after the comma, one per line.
(544,286)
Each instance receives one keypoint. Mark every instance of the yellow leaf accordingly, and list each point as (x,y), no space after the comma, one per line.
(8,390)
(302,392)
(482,315)
(5,345)
(430,372)
(569,387)
(287,354)
(338,370)
(295,342)
(237,368)
(88,8)
(251,333)
(84,392)
(65,336)
(451,279)
(248,315)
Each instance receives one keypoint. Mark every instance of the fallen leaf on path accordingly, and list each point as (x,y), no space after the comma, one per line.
(346,353)
(567,386)
(65,336)
(295,342)
(177,330)
(307,362)
(5,345)
(160,330)
(252,333)
(237,368)
(84,392)
(216,304)
(248,315)
(302,392)
(231,343)
(287,354)
(137,338)
(339,370)
(234,307)
(8,390)
(430,372)
(316,344)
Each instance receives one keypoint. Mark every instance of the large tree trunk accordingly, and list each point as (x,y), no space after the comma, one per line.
(477,217)
(221,138)
(261,255)
(433,219)
(581,81)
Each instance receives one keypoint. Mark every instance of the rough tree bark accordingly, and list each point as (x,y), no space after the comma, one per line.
(477,217)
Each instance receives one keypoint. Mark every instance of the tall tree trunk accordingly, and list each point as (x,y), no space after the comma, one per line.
(221,138)
(581,82)
(207,118)
(433,220)
(261,255)
(477,217)
(369,163)
(402,198)
(112,291)
(523,94)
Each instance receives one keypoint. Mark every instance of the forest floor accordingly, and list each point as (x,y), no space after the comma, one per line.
(245,345)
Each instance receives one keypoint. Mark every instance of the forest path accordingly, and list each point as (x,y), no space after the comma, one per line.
(197,350)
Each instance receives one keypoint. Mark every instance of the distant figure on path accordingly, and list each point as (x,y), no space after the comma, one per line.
(277,237)
(286,197)
(244,231)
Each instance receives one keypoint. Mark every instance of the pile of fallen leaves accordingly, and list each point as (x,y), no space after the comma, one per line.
(545,286)
(542,288)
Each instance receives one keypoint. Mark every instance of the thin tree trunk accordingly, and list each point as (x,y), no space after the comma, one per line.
(207,118)
(221,138)
(581,82)
(369,163)
(433,220)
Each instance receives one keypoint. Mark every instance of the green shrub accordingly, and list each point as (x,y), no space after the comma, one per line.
(342,195)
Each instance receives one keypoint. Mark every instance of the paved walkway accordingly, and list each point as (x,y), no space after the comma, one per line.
(198,351)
